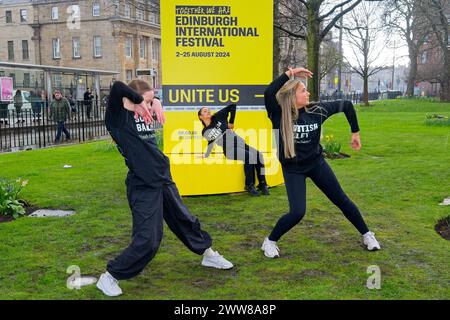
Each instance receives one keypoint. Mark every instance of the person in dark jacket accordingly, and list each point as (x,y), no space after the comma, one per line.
(88,97)
(36,105)
(152,195)
(300,153)
(18,104)
(218,129)
(60,113)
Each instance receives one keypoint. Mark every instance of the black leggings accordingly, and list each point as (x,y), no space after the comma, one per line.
(325,180)
(252,158)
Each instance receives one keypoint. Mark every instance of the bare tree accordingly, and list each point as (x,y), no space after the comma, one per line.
(292,50)
(402,17)
(437,15)
(330,57)
(363,32)
(321,16)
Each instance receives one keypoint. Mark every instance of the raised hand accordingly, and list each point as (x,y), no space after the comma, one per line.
(158,110)
(299,72)
(356,141)
(143,111)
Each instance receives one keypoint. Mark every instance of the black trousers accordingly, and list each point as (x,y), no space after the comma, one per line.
(150,206)
(323,177)
(252,158)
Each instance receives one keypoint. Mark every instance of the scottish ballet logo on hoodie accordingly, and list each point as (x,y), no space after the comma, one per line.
(145,131)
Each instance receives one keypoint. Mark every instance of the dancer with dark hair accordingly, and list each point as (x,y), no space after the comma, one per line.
(218,129)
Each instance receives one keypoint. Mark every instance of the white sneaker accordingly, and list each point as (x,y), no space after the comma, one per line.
(370,241)
(213,259)
(109,285)
(270,249)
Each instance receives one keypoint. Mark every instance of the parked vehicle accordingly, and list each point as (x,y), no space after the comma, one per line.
(25,99)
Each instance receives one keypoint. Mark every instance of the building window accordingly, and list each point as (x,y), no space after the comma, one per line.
(56,49)
(127,11)
(152,17)
(139,14)
(117,6)
(75,11)
(97,46)
(57,81)
(13,76)
(96,9)
(76,48)
(54,13)
(143,47)
(155,49)
(424,57)
(23,15)
(129,75)
(128,47)
(26,79)
(8,15)
(11,50)
(25,53)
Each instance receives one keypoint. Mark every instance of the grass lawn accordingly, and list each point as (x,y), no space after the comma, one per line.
(397,180)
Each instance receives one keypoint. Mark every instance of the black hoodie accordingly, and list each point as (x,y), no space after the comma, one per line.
(217,131)
(135,140)
(306,129)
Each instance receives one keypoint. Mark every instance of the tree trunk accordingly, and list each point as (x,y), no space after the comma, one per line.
(366,89)
(276,41)
(286,61)
(412,75)
(313,48)
(445,81)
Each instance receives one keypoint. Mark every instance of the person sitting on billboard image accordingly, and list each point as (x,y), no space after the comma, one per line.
(152,194)
(300,153)
(218,129)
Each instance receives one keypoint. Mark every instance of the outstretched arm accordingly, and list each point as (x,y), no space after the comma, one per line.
(229,110)
(347,107)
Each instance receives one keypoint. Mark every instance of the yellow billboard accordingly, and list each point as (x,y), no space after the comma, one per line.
(215,53)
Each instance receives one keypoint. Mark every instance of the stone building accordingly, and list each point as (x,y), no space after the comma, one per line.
(123,35)
(116,35)
(16,38)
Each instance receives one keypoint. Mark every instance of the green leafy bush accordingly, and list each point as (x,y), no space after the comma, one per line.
(10,204)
